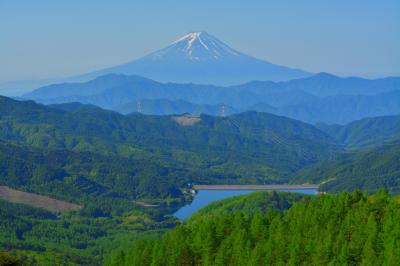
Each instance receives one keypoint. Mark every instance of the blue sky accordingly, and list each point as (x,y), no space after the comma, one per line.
(47,38)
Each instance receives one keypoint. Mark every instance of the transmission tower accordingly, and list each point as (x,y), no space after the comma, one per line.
(223,110)
(139,106)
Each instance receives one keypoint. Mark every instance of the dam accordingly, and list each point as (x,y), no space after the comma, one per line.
(256,187)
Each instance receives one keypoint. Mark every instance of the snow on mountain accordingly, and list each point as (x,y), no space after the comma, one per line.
(199,57)
(196,46)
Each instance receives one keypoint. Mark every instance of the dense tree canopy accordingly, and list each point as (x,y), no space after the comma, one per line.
(115,165)
(368,170)
(254,147)
(349,229)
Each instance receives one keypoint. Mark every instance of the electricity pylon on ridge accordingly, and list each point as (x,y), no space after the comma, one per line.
(223,110)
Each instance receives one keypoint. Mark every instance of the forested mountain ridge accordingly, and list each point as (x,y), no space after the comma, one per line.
(114,165)
(370,170)
(175,107)
(365,132)
(256,144)
(108,162)
(350,229)
(77,176)
(248,147)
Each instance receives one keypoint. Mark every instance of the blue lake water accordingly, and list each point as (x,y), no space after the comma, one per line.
(205,197)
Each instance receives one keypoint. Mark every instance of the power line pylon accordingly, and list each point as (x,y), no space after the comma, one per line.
(223,110)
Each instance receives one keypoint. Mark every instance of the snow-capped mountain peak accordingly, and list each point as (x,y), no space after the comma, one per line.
(198,46)
(190,37)
(199,57)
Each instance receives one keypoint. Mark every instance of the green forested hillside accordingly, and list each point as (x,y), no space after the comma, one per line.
(75,238)
(372,161)
(369,170)
(79,175)
(106,187)
(253,203)
(348,229)
(113,165)
(366,132)
(253,146)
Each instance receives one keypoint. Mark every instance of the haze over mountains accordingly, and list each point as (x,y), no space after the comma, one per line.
(319,98)
(191,76)
(199,57)
(131,129)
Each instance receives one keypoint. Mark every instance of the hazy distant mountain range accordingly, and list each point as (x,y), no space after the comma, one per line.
(174,74)
(320,98)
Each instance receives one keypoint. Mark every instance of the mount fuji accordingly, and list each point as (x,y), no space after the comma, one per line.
(199,57)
